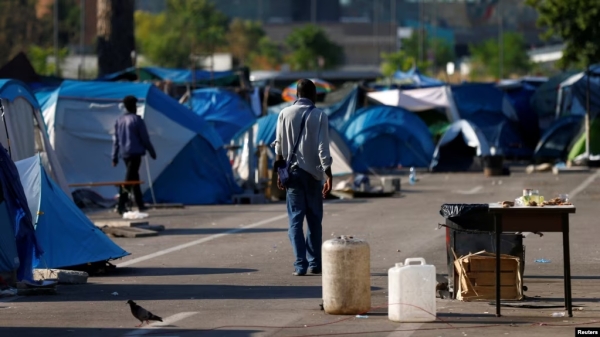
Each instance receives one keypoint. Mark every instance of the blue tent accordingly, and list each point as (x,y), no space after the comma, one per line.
(67,236)
(19,248)
(388,137)
(579,91)
(177,76)
(225,110)
(487,107)
(556,141)
(545,97)
(266,129)
(342,112)
(520,98)
(414,79)
(191,166)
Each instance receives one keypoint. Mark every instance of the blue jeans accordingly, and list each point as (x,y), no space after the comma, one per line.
(304,198)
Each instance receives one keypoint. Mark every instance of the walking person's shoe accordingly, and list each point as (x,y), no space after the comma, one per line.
(299,273)
(314,271)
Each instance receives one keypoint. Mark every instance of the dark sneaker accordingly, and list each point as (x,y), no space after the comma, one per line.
(298,273)
(315,271)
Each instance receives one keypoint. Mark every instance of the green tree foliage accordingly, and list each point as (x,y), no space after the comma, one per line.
(243,37)
(307,44)
(486,57)
(38,56)
(266,56)
(69,20)
(18,27)
(393,62)
(441,51)
(576,22)
(407,57)
(186,27)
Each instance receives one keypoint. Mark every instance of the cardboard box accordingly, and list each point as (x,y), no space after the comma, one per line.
(477,277)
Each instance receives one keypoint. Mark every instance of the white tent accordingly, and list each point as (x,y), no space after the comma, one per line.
(191,166)
(438,96)
(264,133)
(24,132)
(395,97)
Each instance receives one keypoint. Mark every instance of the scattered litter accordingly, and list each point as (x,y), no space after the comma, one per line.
(115,294)
(332,234)
(134,215)
(486,312)
(542,261)
(579,309)
(361,316)
(558,314)
(398,250)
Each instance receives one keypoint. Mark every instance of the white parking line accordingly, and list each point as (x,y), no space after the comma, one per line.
(157,325)
(206,239)
(584,185)
(471,191)
(199,241)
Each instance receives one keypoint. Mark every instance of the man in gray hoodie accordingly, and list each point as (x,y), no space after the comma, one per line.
(130,142)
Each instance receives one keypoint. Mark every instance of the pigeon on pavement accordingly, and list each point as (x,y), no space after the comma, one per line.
(142,314)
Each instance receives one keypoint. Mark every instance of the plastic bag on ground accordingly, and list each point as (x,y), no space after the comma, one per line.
(134,215)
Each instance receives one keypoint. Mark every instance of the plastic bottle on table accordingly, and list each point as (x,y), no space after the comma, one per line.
(412,178)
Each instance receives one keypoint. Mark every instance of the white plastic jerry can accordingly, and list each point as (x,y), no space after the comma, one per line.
(411,290)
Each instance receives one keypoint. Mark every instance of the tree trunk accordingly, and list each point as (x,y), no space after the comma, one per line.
(115,35)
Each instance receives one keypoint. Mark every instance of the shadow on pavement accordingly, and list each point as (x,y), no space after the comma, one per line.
(103,292)
(153,271)
(216,230)
(118,332)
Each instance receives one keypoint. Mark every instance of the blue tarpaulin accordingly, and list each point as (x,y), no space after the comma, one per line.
(415,79)
(225,110)
(67,236)
(18,213)
(388,137)
(178,76)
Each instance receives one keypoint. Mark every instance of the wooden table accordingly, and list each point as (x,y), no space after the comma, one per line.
(534,219)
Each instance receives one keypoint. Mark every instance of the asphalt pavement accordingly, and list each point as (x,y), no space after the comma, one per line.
(227,270)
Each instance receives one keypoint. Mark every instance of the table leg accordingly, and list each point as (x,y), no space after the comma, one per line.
(567,264)
(498,228)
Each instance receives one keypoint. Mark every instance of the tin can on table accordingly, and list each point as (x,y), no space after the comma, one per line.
(527,191)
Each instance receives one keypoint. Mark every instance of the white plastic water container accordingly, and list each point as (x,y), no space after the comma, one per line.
(346,276)
(412,291)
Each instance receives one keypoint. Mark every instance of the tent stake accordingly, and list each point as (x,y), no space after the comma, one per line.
(150,181)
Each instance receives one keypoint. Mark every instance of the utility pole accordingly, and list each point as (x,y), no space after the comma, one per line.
(81,37)
(56,62)
(434,45)
(587,114)
(421,32)
(500,43)
(394,26)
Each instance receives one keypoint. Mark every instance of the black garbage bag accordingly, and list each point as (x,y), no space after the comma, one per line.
(473,217)
(454,210)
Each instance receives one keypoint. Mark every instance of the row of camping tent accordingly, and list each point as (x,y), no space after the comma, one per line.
(40,225)
(439,127)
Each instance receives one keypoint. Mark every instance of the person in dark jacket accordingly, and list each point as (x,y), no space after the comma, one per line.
(130,142)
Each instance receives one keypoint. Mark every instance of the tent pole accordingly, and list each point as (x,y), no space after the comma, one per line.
(150,181)
(587,115)
(5,129)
